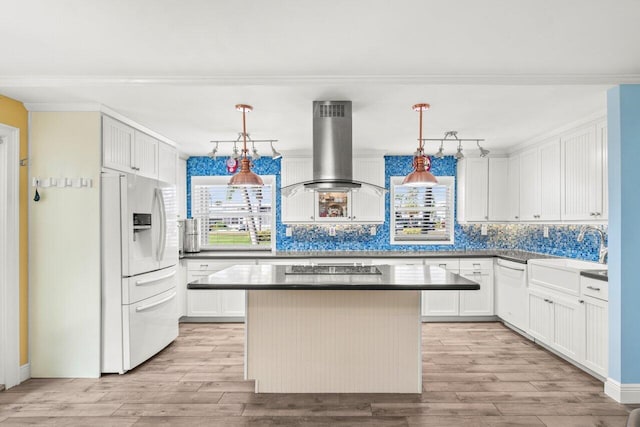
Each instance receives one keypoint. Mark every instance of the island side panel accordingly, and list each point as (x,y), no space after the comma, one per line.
(334,341)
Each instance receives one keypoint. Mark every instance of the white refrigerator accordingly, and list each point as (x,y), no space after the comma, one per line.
(139,269)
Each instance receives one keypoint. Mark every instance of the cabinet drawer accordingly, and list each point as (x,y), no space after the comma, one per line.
(216,265)
(476,264)
(143,286)
(446,263)
(594,288)
(201,265)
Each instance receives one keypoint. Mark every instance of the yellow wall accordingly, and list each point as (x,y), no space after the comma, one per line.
(13,113)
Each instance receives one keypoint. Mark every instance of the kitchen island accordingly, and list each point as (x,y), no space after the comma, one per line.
(334,329)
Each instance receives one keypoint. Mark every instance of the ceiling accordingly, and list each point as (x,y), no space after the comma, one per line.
(501,70)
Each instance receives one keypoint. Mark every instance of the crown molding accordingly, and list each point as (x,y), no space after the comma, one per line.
(226,80)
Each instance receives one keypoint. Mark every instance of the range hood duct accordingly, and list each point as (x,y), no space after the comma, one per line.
(332,151)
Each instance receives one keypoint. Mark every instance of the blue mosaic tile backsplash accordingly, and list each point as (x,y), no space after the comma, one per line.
(562,240)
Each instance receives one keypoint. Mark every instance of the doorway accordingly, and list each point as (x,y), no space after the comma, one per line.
(9,257)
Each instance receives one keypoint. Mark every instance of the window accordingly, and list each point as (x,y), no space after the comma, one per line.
(422,215)
(233,217)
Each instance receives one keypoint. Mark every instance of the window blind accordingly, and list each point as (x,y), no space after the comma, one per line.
(233,217)
(423,214)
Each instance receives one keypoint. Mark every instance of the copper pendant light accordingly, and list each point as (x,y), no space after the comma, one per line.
(420,177)
(245,177)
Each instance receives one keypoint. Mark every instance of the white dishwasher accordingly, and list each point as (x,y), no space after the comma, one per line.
(511,293)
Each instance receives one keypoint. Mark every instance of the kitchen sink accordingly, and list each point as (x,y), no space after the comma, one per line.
(561,274)
(569,264)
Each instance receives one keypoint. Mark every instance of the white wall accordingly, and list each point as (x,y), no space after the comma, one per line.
(64,244)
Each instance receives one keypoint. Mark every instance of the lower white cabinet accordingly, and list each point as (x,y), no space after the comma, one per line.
(462,303)
(596,334)
(213,302)
(554,320)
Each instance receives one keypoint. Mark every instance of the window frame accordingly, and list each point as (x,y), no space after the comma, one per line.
(449,181)
(224,180)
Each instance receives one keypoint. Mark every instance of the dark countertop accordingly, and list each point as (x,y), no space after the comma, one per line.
(596,274)
(393,277)
(509,255)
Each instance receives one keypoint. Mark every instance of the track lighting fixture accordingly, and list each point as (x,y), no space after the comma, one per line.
(214,152)
(274,154)
(440,153)
(452,135)
(254,152)
(459,154)
(483,151)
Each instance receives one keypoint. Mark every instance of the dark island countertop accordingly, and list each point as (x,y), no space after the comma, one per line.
(392,277)
(509,255)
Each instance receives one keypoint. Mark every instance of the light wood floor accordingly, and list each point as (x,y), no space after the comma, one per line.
(475,374)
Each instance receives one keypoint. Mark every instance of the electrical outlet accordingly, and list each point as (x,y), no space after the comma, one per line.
(288,232)
(373,230)
(332,231)
(545,231)
(484,229)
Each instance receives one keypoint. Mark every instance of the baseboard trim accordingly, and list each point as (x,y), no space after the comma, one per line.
(25,372)
(187,319)
(435,319)
(622,393)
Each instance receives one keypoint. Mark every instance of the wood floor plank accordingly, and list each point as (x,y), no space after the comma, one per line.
(474,374)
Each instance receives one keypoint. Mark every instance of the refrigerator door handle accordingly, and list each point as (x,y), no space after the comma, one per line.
(163,219)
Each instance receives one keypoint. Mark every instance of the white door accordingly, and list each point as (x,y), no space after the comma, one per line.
(168,245)
(529,185)
(582,184)
(604,155)
(117,145)
(367,205)
(479,302)
(566,322)
(499,185)
(513,191)
(298,207)
(145,155)
(167,163)
(139,198)
(474,189)
(540,317)
(442,303)
(596,333)
(550,176)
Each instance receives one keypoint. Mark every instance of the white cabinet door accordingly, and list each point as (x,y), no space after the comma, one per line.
(145,155)
(601,135)
(203,303)
(117,145)
(480,302)
(513,188)
(550,176)
(167,163)
(582,166)
(367,205)
(499,208)
(232,303)
(182,288)
(566,324)
(442,303)
(596,333)
(540,317)
(473,189)
(529,185)
(299,207)
(181,188)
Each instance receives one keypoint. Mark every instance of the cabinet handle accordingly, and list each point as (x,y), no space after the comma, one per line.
(546,300)
(157,279)
(204,265)
(550,301)
(486,217)
(442,265)
(598,214)
(581,301)
(353,217)
(592,214)
(311,217)
(593,288)
(516,217)
(135,168)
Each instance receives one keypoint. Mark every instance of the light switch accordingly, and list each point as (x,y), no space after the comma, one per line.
(484,229)
(288,232)
(545,231)
(373,230)
(332,231)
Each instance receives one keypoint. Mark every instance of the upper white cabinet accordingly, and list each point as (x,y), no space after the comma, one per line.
(582,154)
(513,188)
(539,182)
(300,206)
(167,163)
(117,145)
(473,185)
(499,206)
(362,206)
(366,205)
(129,150)
(145,155)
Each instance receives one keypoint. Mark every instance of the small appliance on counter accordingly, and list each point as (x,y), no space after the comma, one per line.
(191,237)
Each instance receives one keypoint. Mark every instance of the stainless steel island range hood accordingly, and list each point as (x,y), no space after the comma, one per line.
(332,151)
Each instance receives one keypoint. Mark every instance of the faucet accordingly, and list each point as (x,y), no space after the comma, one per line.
(603,251)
